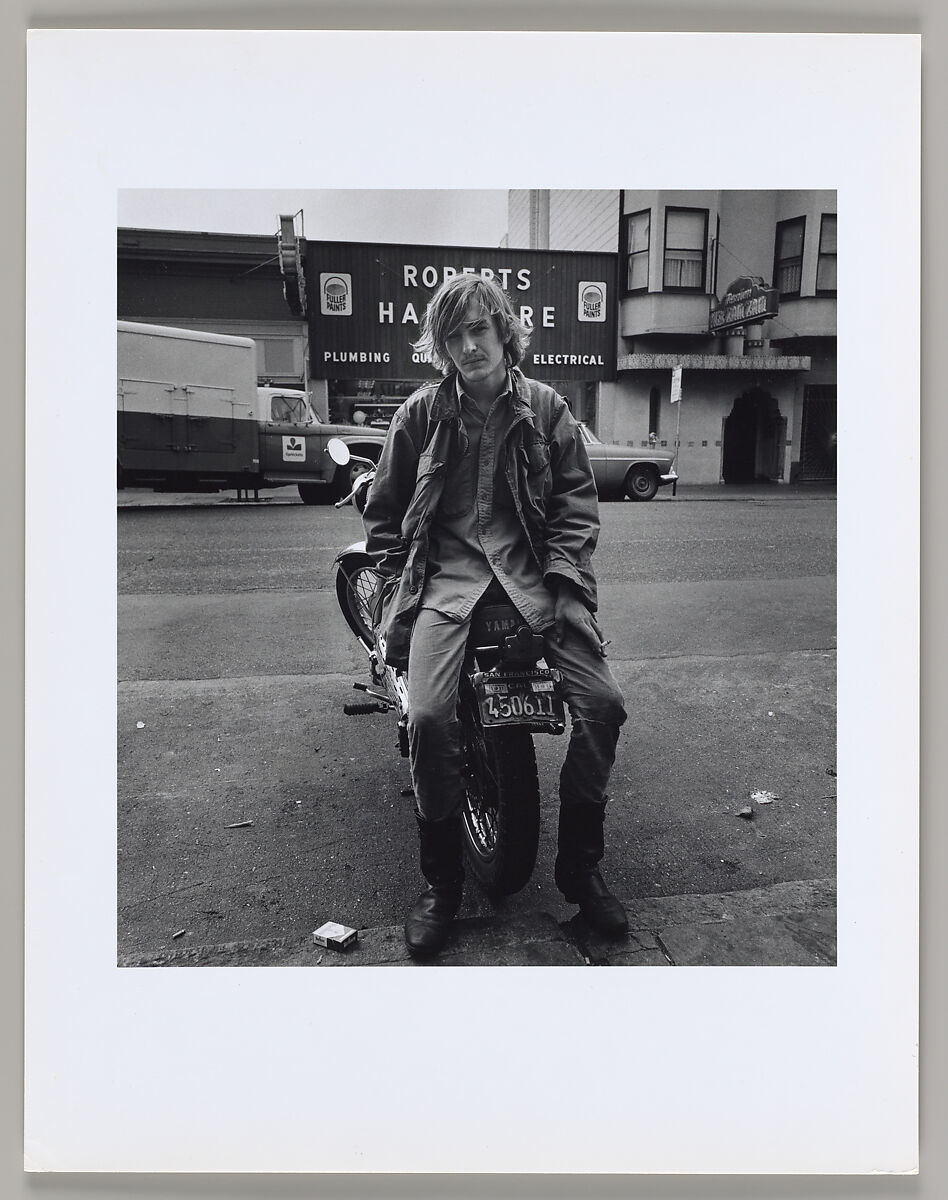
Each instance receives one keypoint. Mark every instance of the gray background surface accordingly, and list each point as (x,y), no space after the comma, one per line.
(927,17)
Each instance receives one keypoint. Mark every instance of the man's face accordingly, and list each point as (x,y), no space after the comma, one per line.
(476,350)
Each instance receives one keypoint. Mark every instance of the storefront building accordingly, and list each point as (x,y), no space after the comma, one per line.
(339,318)
(365,303)
(624,292)
(744,399)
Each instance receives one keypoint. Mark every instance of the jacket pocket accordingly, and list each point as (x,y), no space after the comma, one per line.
(536,455)
(460,482)
(426,480)
(537,478)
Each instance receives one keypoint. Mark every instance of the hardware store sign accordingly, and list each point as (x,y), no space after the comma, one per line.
(366,302)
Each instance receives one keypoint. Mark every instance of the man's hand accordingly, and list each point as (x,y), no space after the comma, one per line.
(570,611)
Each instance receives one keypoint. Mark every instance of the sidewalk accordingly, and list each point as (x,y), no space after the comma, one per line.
(785,924)
(761,492)
(748,491)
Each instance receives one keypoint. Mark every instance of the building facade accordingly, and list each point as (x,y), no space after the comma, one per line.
(214,283)
(757,401)
(339,319)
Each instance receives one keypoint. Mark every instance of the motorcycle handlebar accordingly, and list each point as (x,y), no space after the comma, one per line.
(365,462)
(360,484)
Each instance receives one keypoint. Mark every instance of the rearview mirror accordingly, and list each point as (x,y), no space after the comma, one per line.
(338,451)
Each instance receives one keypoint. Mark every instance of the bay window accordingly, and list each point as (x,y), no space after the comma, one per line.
(788,256)
(686,241)
(826,264)
(637,245)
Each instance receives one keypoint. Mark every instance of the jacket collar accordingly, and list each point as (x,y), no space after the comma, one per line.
(523,409)
(446,405)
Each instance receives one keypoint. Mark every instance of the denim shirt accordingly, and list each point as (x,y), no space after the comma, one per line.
(476,534)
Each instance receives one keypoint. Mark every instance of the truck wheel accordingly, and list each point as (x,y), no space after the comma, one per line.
(315,493)
(342,481)
(346,476)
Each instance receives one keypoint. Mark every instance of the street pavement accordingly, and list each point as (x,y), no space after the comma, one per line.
(229,718)
(146,498)
(786,924)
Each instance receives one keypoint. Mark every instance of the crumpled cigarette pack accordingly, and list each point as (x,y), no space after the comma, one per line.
(334,936)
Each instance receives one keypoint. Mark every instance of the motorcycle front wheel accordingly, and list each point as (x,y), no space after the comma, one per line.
(356,582)
(501,813)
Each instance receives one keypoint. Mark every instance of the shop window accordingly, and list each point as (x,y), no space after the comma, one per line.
(637,243)
(686,240)
(826,266)
(371,402)
(654,411)
(788,256)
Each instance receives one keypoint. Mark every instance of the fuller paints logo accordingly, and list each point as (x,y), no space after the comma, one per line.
(592,301)
(335,294)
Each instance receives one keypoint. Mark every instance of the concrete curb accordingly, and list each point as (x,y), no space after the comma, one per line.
(785,924)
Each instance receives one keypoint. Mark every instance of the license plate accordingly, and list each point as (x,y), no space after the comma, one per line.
(494,688)
(522,699)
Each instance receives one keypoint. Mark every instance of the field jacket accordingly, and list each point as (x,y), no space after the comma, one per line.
(546,468)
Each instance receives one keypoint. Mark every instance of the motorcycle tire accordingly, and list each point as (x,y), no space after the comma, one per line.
(501,813)
(356,582)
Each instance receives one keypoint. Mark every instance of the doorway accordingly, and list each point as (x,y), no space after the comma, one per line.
(754,440)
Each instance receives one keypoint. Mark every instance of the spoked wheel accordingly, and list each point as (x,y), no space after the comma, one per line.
(501,813)
(356,582)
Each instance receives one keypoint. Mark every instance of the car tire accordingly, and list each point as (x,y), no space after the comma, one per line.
(641,483)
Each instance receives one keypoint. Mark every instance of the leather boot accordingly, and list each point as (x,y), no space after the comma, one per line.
(428,924)
(579,852)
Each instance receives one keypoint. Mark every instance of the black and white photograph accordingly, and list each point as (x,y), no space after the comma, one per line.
(586,708)
(502,555)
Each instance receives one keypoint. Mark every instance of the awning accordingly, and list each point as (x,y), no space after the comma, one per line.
(713,362)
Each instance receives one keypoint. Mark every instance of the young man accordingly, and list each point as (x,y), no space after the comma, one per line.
(484,483)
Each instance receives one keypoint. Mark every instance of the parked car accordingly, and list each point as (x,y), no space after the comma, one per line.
(627,471)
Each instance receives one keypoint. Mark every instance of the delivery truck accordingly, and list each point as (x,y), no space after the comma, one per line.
(191,418)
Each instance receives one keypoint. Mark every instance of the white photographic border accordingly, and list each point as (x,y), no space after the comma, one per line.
(288,1070)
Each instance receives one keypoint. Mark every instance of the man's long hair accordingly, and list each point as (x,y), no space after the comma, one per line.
(449,307)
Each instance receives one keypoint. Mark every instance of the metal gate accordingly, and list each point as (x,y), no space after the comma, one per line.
(818,435)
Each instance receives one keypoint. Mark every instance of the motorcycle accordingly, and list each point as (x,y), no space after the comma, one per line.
(506,695)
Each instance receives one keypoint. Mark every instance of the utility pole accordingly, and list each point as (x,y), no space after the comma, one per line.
(675,398)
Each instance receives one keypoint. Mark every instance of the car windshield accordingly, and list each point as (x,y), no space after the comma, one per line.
(588,436)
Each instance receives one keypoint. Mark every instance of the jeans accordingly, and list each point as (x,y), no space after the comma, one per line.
(592,696)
